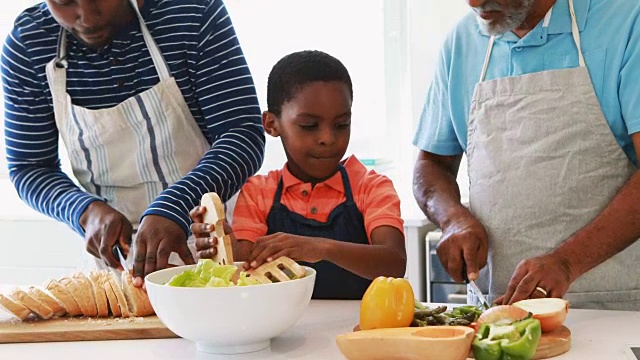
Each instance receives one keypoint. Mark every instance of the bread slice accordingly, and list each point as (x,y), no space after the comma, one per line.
(86,293)
(111,295)
(48,300)
(40,309)
(74,289)
(137,298)
(114,283)
(99,294)
(16,308)
(61,293)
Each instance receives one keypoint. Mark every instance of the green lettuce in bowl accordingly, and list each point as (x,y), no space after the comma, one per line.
(208,273)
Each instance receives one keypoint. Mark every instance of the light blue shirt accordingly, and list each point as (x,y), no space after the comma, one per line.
(610,39)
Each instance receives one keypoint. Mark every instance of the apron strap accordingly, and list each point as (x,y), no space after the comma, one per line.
(576,33)
(487,56)
(278,196)
(346,184)
(158,60)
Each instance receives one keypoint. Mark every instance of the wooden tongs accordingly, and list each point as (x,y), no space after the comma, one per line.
(278,270)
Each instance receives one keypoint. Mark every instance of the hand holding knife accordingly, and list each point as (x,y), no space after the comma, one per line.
(118,253)
(473,287)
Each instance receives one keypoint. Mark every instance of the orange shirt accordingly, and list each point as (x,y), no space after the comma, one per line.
(373,193)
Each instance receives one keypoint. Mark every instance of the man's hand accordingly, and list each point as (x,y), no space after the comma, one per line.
(104,228)
(463,240)
(548,272)
(156,239)
(298,248)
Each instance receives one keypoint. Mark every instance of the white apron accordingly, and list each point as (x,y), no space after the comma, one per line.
(543,163)
(130,153)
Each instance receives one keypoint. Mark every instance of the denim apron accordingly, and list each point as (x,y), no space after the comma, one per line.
(345,223)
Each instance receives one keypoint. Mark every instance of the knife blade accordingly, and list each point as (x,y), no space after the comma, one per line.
(473,288)
(117,252)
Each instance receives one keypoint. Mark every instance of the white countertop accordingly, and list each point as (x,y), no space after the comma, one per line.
(596,335)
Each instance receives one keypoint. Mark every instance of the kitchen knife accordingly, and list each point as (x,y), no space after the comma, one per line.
(474,289)
(117,252)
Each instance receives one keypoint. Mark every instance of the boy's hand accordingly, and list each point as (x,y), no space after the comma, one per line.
(298,248)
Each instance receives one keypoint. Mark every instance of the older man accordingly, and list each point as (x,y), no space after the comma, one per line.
(542,97)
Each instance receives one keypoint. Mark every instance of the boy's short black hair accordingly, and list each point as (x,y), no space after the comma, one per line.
(298,69)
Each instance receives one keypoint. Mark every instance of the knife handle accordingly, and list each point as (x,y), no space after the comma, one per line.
(464,272)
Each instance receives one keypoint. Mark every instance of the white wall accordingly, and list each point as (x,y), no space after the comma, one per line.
(389,47)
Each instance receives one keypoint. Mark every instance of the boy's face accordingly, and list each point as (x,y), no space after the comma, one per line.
(314,126)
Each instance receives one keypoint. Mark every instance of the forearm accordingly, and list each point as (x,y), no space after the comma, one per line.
(52,193)
(223,170)
(435,188)
(616,228)
(368,261)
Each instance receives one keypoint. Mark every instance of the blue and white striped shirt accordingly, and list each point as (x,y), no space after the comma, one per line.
(196,38)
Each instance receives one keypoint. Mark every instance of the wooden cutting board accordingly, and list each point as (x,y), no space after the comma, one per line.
(84,329)
(551,344)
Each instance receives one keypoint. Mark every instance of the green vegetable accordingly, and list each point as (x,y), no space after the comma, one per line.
(207,273)
(515,341)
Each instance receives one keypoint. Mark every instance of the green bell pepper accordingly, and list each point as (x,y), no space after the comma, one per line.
(516,341)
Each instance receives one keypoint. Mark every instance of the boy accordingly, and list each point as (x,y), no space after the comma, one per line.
(332,215)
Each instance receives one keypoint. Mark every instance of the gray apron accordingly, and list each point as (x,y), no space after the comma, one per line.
(128,154)
(543,163)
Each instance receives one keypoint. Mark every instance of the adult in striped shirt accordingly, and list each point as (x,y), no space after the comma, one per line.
(153,101)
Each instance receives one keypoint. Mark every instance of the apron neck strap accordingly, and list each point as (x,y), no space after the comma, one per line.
(160,64)
(574,31)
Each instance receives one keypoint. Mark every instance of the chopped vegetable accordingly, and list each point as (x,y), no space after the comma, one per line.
(514,341)
(208,273)
(387,303)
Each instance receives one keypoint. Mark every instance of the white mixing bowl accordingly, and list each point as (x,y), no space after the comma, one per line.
(229,320)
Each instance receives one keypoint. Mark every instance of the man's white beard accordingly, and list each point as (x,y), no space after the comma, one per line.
(514,18)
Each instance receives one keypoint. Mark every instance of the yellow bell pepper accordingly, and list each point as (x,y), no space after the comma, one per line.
(387,303)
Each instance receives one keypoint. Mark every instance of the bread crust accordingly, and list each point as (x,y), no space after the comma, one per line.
(62,294)
(99,294)
(74,289)
(40,309)
(114,307)
(115,285)
(16,308)
(51,302)
(137,298)
(86,293)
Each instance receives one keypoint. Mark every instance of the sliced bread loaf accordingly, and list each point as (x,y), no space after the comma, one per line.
(111,295)
(85,291)
(40,309)
(16,308)
(48,300)
(63,295)
(137,298)
(99,294)
(115,285)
